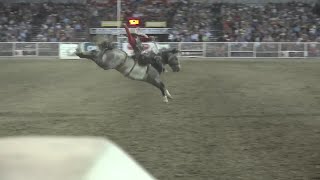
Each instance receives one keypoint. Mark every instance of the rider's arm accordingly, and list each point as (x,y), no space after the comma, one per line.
(131,40)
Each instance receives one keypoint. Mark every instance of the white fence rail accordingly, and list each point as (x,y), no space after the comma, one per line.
(188,49)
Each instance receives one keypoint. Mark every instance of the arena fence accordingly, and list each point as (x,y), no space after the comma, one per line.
(188,49)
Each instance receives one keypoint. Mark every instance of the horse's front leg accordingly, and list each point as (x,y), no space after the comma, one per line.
(159,84)
(168,94)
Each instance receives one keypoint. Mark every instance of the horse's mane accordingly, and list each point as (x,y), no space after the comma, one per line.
(166,53)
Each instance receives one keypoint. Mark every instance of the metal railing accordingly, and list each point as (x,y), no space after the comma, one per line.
(188,49)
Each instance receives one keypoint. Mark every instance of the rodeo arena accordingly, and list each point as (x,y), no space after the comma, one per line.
(159,90)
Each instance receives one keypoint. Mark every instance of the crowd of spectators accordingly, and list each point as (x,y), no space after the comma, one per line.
(60,22)
(46,22)
(15,22)
(280,22)
(190,21)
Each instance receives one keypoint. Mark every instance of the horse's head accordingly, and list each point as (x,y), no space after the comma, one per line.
(171,57)
(174,63)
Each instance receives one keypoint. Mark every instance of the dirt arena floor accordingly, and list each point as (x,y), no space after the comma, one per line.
(230,120)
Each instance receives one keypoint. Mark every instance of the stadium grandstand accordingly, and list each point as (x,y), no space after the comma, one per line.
(189,21)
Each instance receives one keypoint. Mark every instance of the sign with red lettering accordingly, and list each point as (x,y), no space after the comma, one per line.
(134,22)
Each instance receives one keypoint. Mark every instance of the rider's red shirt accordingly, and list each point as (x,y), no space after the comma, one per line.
(132,40)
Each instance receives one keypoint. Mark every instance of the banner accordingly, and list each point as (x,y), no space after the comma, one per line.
(67,51)
(156,24)
(88,46)
(116,31)
(111,23)
(134,22)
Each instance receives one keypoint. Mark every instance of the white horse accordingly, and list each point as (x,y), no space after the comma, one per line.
(111,58)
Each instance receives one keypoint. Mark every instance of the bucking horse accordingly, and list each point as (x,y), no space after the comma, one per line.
(108,57)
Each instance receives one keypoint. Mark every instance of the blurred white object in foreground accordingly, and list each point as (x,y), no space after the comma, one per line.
(66,158)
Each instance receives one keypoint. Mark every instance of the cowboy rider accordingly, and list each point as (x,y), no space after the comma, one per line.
(143,57)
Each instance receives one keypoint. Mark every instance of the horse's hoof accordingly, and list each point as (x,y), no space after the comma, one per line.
(168,95)
(165,99)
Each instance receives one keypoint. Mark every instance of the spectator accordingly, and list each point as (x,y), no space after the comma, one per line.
(15,22)
(63,21)
(282,22)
